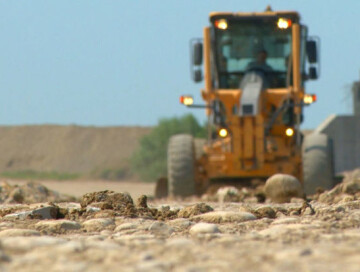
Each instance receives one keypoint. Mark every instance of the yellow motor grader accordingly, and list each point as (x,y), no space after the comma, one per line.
(255,67)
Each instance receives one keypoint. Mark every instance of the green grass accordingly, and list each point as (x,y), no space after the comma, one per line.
(36,175)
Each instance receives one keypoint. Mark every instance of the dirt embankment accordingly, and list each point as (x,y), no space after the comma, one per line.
(67,149)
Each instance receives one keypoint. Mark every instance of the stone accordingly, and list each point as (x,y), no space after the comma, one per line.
(196,209)
(98,224)
(265,211)
(92,209)
(224,217)
(125,226)
(18,232)
(228,194)
(280,188)
(203,228)
(160,229)
(18,215)
(180,223)
(48,212)
(57,226)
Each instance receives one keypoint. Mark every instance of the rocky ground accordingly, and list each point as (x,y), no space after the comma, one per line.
(234,230)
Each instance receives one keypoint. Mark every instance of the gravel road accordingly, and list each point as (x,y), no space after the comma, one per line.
(110,231)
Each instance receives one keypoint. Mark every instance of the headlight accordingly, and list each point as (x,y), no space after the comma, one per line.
(223,132)
(289,132)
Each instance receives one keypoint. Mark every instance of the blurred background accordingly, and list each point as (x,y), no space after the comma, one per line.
(69,64)
(104,62)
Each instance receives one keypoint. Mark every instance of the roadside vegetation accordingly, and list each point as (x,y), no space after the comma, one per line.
(149,160)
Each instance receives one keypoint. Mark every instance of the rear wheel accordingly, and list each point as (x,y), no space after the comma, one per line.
(181,165)
(161,188)
(317,163)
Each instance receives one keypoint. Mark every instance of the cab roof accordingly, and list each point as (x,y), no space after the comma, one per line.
(293,15)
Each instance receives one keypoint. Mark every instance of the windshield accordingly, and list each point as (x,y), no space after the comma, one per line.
(245,46)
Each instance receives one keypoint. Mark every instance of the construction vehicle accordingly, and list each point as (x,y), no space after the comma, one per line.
(255,68)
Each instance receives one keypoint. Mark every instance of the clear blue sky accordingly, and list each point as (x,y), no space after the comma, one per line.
(105,62)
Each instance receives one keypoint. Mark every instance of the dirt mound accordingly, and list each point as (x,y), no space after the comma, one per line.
(109,203)
(347,190)
(67,149)
(30,192)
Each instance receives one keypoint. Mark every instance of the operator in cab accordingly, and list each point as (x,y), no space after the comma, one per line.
(260,62)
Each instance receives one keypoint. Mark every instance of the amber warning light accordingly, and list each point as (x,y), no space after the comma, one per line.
(309,98)
(187,100)
(284,23)
(221,24)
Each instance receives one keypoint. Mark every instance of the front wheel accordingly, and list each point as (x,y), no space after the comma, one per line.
(317,163)
(181,166)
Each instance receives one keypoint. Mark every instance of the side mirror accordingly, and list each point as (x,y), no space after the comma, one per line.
(197,75)
(197,53)
(313,73)
(196,48)
(311,51)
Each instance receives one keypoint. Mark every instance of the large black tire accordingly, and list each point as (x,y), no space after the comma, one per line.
(317,163)
(181,166)
(161,188)
(199,147)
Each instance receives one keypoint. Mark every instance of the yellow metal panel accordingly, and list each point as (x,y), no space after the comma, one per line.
(259,141)
(296,57)
(248,136)
(207,64)
(230,98)
(236,140)
(215,168)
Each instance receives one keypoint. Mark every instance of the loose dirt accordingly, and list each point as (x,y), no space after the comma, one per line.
(230,231)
